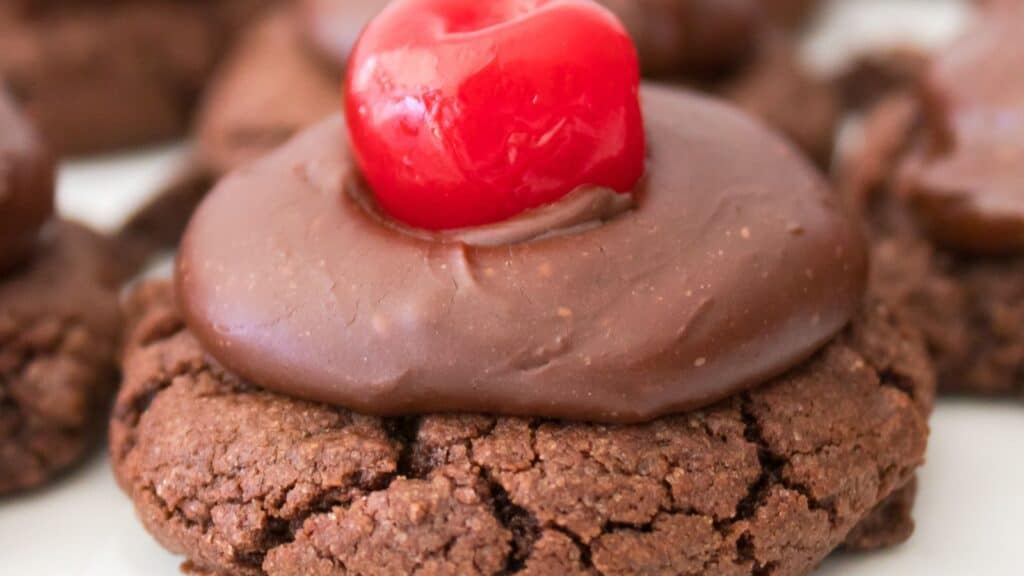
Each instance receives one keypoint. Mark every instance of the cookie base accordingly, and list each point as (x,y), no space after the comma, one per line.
(244,481)
(59,327)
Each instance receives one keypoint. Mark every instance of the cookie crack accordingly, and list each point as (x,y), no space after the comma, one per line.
(773,464)
(586,558)
(520,523)
(403,432)
(280,530)
(136,408)
(892,379)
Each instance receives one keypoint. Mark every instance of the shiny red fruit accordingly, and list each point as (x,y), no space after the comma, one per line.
(468,112)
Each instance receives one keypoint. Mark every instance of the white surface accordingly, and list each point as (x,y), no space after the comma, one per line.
(104,191)
(969,509)
(851,27)
(968,513)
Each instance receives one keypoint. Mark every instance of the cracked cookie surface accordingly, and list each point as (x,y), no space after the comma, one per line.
(59,327)
(243,481)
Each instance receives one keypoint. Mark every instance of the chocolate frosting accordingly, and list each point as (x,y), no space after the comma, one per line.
(333,26)
(966,179)
(586,207)
(736,264)
(26,184)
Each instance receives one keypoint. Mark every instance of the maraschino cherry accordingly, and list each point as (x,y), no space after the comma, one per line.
(468,112)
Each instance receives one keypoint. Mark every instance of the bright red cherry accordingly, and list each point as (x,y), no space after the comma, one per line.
(468,112)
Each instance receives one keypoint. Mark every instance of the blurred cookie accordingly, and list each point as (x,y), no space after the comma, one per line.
(938,174)
(59,320)
(100,76)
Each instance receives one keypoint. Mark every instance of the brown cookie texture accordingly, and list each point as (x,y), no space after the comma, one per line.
(95,77)
(244,481)
(59,330)
(969,308)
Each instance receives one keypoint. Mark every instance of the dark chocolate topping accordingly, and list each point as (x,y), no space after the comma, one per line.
(966,180)
(333,26)
(736,264)
(26,184)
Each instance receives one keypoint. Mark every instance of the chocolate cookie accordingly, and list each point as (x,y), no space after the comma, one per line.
(245,481)
(775,87)
(936,176)
(969,308)
(59,321)
(97,76)
(59,328)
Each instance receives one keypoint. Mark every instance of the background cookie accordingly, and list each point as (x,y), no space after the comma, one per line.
(969,309)
(242,480)
(95,77)
(937,175)
(59,328)
(692,38)
(268,89)
(739,51)
(771,84)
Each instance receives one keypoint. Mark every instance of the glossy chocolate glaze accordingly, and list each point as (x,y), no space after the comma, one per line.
(965,180)
(736,264)
(26,184)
